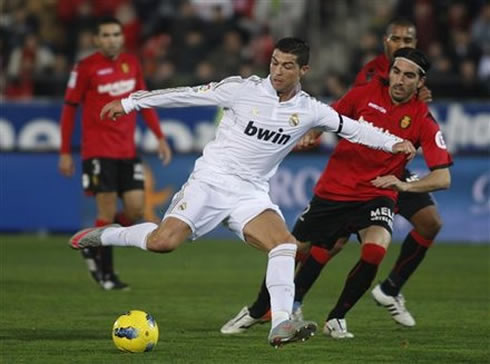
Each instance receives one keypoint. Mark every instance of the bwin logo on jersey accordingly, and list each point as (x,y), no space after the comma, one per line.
(275,137)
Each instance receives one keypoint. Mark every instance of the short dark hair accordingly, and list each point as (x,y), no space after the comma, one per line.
(105,20)
(400,21)
(295,46)
(416,56)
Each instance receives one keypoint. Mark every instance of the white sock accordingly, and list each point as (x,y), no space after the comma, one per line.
(280,282)
(134,235)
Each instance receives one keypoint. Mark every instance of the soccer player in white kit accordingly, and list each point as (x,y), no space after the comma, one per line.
(263,120)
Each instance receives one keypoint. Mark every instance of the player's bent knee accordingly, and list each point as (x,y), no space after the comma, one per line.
(430,227)
(284,238)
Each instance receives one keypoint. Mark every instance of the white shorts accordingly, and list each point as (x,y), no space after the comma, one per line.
(203,205)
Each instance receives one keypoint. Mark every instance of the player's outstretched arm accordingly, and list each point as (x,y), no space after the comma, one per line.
(309,140)
(438,179)
(112,110)
(405,147)
(363,132)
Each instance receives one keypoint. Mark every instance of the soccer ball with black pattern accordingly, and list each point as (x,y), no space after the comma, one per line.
(135,332)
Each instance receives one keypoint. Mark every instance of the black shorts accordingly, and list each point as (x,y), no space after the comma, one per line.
(325,221)
(409,202)
(112,175)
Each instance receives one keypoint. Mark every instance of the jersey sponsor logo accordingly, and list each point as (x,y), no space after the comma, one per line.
(440,140)
(117,88)
(377,107)
(383,214)
(405,122)
(294,120)
(125,67)
(104,71)
(72,81)
(275,137)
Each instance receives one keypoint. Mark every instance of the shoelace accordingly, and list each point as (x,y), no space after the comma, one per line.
(401,301)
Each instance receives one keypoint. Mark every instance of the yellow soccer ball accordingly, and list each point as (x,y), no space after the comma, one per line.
(135,332)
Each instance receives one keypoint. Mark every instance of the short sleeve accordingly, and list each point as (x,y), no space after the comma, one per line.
(433,145)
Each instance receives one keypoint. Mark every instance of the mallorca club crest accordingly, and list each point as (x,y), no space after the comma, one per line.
(125,67)
(294,119)
(405,122)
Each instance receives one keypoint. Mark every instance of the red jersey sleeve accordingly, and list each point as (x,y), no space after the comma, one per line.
(74,94)
(150,116)
(432,142)
(77,84)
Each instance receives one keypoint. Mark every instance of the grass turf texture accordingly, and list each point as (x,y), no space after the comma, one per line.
(51,312)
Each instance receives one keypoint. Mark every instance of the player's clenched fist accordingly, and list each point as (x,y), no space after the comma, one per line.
(112,110)
(405,147)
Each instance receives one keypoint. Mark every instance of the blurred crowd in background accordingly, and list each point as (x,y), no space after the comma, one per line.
(189,42)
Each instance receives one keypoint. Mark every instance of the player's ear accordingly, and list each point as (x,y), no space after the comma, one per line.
(303,70)
(421,82)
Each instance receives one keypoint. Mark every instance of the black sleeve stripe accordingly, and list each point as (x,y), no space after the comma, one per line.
(442,166)
(71,103)
(341,124)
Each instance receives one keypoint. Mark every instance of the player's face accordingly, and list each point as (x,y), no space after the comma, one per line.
(405,80)
(285,72)
(110,39)
(399,37)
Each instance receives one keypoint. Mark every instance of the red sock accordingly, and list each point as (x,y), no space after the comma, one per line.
(101,222)
(123,220)
(372,253)
(359,279)
(321,255)
(420,239)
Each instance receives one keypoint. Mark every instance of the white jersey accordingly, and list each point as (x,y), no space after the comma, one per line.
(257,131)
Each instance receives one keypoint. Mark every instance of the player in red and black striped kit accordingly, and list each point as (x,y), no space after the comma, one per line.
(111,168)
(358,189)
(416,207)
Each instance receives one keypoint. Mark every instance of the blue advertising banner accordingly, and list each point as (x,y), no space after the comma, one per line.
(34,126)
(34,197)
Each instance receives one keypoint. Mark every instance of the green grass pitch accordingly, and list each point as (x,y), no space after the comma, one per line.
(51,312)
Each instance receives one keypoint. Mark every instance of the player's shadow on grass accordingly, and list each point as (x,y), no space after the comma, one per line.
(26,334)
